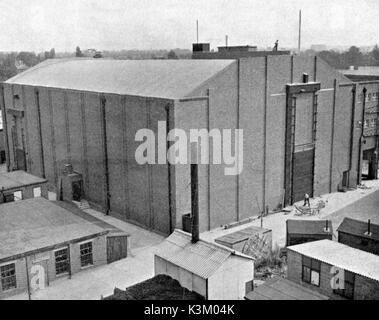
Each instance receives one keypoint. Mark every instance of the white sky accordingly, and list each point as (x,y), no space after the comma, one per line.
(162,24)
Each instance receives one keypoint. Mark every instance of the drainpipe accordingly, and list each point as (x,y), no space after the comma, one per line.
(40,133)
(106,164)
(5,127)
(359,176)
(354,92)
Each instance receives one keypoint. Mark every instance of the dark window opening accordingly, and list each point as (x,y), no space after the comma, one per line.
(8,277)
(86,258)
(311,271)
(61,261)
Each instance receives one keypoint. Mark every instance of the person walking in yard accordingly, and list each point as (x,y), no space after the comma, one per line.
(306,200)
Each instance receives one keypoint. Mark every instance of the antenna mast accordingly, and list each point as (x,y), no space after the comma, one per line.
(299,41)
(197,31)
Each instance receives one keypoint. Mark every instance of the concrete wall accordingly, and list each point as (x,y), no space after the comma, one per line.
(46,259)
(186,279)
(364,288)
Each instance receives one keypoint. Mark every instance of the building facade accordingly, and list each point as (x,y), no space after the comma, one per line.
(317,266)
(41,242)
(299,119)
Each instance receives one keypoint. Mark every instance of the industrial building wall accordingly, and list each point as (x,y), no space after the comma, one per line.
(72,130)
(251,94)
(218,194)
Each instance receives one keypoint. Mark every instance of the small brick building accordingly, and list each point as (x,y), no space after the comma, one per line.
(359,234)
(314,265)
(20,185)
(301,231)
(39,239)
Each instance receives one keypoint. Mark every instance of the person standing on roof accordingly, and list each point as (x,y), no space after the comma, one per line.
(306,200)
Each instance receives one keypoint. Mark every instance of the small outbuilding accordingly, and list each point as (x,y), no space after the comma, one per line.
(20,185)
(41,240)
(301,231)
(252,241)
(213,271)
(359,234)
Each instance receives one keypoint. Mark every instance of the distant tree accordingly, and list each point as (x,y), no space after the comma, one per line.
(30,59)
(353,56)
(7,67)
(52,53)
(375,55)
(172,55)
(78,52)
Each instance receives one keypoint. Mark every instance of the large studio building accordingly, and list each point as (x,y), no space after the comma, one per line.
(299,119)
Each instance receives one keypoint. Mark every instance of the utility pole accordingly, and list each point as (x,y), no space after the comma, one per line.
(299,40)
(197,31)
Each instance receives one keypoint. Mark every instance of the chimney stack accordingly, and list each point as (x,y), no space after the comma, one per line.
(369,227)
(194,203)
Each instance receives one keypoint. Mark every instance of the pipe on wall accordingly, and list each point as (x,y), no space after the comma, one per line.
(5,127)
(359,174)
(332,137)
(353,91)
(40,132)
(103,102)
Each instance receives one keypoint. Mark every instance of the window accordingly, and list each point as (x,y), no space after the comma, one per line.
(348,288)
(37,192)
(8,277)
(311,271)
(17,195)
(61,261)
(86,254)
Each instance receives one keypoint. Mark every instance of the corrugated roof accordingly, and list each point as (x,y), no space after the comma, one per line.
(17,179)
(37,223)
(283,289)
(317,227)
(342,256)
(148,78)
(201,258)
(359,228)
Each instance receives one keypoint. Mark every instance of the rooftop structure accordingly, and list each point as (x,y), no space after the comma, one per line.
(341,256)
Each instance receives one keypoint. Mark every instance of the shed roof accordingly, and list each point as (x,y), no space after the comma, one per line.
(201,258)
(170,79)
(240,235)
(362,71)
(359,228)
(35,224)
(341,256)
(297,226)
(283,289)
(18,179)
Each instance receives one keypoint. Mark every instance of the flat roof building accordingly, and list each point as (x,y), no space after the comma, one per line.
(319,264)
(301,231)
(19,185)
(359,234)
(39,237)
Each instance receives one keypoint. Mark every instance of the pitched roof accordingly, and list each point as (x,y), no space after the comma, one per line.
(17,179)
(341,256)
(359,228)
(34,224)
(148,78)
(299,226)
(201,258)
(283,289)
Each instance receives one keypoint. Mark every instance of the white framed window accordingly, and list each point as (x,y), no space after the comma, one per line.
(17,195)
(8,277)
(37,193)
(86,257)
